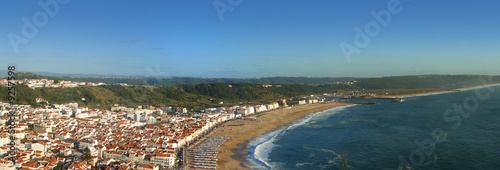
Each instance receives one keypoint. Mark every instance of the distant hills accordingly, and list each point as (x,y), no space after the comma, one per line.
(425,81)
(175,81)
(3,73)
(393,82)
(192,96)
(198,93)
(28,75)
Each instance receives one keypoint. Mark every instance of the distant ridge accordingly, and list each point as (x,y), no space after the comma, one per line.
(204,92)
(175,81)
(25,75)
(79,75)
(426,81)
(392,82)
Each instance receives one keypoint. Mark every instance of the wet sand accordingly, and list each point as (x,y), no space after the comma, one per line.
(233,153)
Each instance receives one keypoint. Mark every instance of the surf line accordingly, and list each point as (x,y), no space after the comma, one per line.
(254,151)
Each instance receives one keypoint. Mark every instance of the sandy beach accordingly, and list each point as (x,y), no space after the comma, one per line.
(439,92)
(233,152)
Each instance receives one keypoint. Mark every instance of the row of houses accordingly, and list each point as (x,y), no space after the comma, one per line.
(38,83)
(68,129)
(121,135)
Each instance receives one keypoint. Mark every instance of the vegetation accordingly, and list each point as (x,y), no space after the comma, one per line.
(425,81)
(207,95)
(204,95)
(24,95)
(28,75)
(59,155)
(58,167)
(87,157)
(176,81)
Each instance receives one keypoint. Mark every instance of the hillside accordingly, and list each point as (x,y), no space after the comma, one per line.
(28,75)
(203,95)
(424,81)
(192,96)
(175,81)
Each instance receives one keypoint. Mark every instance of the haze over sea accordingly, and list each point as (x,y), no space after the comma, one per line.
(377,136)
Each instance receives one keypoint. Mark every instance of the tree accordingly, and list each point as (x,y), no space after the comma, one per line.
(58,167)
(86,155)
(60,155)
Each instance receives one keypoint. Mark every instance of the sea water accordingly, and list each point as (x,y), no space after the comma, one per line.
(391,135)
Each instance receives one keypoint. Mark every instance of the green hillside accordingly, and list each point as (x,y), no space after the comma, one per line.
(425,81)
(192,96)
(176,81)
(210,94)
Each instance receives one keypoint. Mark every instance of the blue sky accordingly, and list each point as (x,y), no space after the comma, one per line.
(258,38)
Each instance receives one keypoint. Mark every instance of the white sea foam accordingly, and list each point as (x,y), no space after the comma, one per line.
(262,146)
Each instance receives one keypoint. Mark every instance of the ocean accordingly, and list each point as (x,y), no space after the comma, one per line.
(457,130)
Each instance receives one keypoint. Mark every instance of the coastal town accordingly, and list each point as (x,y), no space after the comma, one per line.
(69,136)
(37,83)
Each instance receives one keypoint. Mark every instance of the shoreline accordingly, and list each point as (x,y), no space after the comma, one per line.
(252,146)
(234,152)
(440,91)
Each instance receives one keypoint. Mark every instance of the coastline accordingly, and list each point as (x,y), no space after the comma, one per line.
(233,153)
(439,92)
